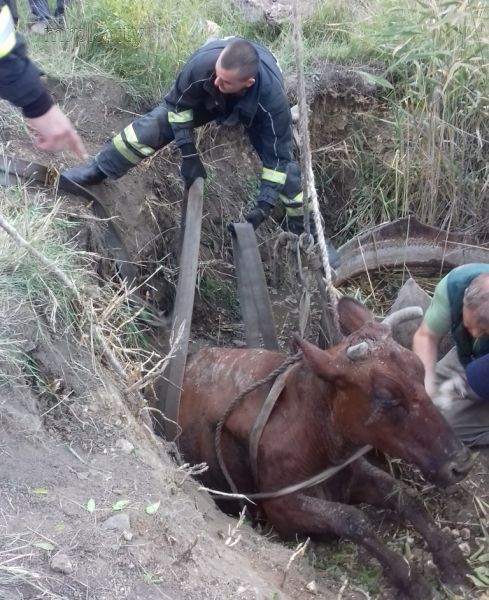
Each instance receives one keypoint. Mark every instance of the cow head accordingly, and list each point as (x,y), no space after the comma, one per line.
(377,397)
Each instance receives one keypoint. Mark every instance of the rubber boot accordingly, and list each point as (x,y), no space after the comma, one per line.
(87,174)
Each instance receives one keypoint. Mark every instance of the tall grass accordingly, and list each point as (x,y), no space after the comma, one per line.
(146,43)
(436,54)
(31,294)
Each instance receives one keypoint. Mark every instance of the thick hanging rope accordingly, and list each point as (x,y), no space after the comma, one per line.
(309,189)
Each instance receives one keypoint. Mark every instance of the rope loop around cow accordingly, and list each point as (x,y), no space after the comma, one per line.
(234,403)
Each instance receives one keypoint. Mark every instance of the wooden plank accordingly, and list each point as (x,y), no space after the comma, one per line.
(168,393)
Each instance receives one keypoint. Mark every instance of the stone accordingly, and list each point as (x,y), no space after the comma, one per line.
(212,28)
(411,294)
(61,563)
(124,446)
(119,522)
(465,548)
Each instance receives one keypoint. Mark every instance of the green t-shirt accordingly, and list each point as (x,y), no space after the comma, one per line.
(438,316)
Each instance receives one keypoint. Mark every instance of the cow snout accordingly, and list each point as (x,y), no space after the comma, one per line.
(456,469)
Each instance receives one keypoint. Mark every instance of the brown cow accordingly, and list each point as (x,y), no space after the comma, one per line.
(331,405)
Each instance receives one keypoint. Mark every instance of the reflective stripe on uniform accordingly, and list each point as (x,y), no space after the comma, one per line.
(293,206)
(273,176)
(7,32)
(297,199)
(124,150)
(294,211)
(186,116)
(132,140)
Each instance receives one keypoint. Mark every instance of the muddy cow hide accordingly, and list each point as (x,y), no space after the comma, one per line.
(334,401)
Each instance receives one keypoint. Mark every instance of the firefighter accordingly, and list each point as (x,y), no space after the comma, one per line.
(20,84)
(229,81)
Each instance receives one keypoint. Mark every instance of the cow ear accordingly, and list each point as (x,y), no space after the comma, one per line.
(320,361)
(352,314)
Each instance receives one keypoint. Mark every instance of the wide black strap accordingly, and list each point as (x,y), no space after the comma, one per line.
(169,389)
(253,295)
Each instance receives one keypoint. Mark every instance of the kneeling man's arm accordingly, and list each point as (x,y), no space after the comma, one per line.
(425,345)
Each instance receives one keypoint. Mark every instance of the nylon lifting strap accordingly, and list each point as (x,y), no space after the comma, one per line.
(254,300)
(168,391)
(262,419)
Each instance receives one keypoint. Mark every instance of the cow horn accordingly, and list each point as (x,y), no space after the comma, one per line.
(357,351)
(404,314)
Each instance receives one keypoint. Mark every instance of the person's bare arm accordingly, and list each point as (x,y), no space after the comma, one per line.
(425,345)
(53,132)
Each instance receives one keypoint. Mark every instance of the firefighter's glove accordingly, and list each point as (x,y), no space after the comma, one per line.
(192,166)
(296,224)
(258,214)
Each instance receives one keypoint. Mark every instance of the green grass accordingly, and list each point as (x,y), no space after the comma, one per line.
(217,292)
(145,43)
(342,558)
(429,57)
(438,55)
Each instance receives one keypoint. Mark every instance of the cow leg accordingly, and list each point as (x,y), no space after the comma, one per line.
(376,487)
(318,519)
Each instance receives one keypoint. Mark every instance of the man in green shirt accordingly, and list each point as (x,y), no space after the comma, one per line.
(459,383)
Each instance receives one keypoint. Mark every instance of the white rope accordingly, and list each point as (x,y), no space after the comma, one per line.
(309,188)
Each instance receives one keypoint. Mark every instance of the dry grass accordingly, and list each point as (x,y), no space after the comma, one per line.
(16,572)
(50,279)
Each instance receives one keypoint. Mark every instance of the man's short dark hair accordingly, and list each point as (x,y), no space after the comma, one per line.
(242,56)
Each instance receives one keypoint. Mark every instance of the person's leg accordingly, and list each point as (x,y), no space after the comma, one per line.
(12,4)
(60,9)
(41,16)
(477,373)
(40,10)
(463,408)
(137,141)
(291,198)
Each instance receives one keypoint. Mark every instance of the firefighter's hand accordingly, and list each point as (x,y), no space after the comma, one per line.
(192,168)
(54,132)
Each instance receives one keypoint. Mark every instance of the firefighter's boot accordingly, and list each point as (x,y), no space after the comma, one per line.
(85,175)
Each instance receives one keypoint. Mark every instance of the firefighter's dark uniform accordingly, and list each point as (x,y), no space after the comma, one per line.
(194,100)
(20,81)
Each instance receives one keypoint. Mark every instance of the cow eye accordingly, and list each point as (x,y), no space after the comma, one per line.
(385,399)
(391,403)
